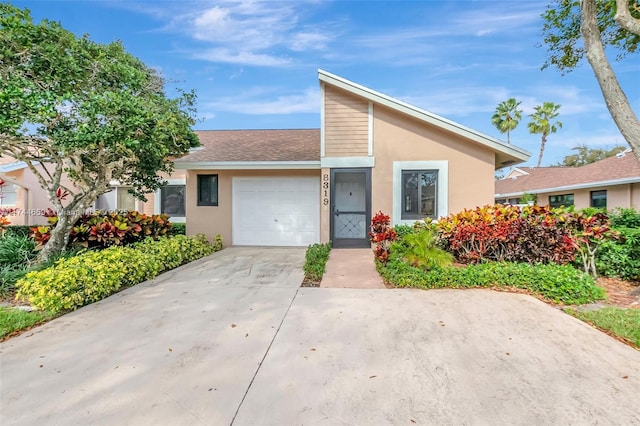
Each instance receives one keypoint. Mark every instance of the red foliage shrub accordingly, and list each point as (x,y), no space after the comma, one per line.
(382,235)
(104,229)
(532,234)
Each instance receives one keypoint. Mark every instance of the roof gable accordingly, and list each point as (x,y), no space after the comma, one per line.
(506,154)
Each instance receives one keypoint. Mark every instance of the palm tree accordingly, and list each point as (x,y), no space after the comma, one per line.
(507,116)
(541,123)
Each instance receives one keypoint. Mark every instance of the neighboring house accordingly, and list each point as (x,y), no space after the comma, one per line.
(609,183)
(23,193)
(371,153)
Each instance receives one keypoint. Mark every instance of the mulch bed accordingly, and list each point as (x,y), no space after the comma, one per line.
(624,294)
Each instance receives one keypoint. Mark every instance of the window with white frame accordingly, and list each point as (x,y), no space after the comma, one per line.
(420,190)
(117,199)
(8,196)
(172,200)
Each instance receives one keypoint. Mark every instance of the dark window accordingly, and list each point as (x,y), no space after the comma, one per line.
(513,201)
(565,200)
(419,194)
(207,190)
(599,199)
(501,201)
(172,200)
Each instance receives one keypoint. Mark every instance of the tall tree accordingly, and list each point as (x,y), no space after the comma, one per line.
(542,123)
(601,24)
(70,107)
(585,155)
(507,116)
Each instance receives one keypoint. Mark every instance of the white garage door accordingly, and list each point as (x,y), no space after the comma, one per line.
(278,211)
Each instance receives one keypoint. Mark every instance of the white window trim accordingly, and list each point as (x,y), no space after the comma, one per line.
(157,199)
(442,166)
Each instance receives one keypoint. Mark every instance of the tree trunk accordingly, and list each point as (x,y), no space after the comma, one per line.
(58,238)
(543,142)
(616,100)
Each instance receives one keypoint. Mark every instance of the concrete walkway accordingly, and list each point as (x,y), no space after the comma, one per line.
(351,268)
(233,340)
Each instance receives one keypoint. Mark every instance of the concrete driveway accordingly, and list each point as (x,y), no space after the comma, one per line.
(232,339)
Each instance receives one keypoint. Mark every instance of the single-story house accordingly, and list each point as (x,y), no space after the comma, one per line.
(372,152)
(609,183)
(301,186)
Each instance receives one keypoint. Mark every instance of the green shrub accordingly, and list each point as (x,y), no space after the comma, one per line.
(403,230)
(9,276)
(16,250)
(625,218)
(178,229)
(560,283)
(19,230)
(315,261)
(621,257)
(93,275)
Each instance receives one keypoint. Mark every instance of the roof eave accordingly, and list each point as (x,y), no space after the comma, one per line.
(612,182)
(247,165)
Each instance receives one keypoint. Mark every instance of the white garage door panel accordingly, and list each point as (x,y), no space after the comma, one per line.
(278,211)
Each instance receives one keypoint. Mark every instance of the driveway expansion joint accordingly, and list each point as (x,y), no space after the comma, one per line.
(264,356)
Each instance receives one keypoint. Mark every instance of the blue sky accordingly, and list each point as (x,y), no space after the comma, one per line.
(254,64)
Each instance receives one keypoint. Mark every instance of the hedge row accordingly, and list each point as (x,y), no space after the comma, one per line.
(93,275)
(560,283)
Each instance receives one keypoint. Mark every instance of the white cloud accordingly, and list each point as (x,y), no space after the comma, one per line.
(240,57)
(254,33)
(254,102)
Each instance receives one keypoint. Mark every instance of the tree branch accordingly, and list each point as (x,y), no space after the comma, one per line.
(625,19)
(614,96)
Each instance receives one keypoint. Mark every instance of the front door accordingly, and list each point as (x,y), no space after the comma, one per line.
(351,207)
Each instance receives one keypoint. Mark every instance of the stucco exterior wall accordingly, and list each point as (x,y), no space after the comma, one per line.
(397,137)
(624,196)
(346,121)
(214,220)
(635,195)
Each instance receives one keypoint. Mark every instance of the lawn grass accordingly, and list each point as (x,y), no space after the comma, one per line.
(13,319)
(624,323)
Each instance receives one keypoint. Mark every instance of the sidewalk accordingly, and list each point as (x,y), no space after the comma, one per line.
(351,268)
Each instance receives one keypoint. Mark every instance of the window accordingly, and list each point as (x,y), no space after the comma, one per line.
(119,198)
(565,200)
(419,194)
(207,190)
(8,196)
(172,200)
(599,199)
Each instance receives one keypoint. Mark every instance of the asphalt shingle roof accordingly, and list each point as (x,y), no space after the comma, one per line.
(256,145)
(541,178)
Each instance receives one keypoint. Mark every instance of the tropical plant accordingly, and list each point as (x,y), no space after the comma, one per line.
(90,112)
(542,123)
(16,250)
(382,235)
(507,116)
(420,249)
(601,24)
(106,228)
(533,234)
